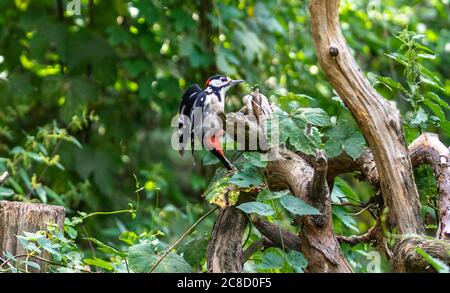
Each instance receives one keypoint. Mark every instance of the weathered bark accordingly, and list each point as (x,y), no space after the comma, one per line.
(378,120)
(319,243)
(225,254)
(18,217)
(278,236)
(408,260)
(428,149)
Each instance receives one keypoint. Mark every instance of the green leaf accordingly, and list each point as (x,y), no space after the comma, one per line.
(106,248)
(420,118)
(42,194)
(445,125)
(209,159)
(437,264)
(222,193)
(398,57)
(141,259)
(427,56)
(390,83)
(256,159)
(437,99)
(426,79)
(99,263)
(342,190)
(54,196)
(298,131)
(256,207)
(270,195)
(436,109)
(6,192)
(246,177)
(354,145)
(128,237)
(194,249)
(74,141)
(32,264)
(298,206)
(296,260)
(272,259)
(314,116)
(344,136)
(347,220)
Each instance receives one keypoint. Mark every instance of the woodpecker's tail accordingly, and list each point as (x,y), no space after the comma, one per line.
(225,162)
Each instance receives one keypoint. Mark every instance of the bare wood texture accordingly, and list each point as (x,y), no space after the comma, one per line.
(319,243)
(18,217)
(378,120)
(278,236)
(428,149)
(225,253)
(408,260)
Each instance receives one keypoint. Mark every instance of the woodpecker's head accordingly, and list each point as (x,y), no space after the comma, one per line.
(220,83)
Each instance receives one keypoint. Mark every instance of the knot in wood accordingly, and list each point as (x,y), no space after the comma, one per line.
(334,51)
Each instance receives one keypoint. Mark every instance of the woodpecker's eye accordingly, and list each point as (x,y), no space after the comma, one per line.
(223,79)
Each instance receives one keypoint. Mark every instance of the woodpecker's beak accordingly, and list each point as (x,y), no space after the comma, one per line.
(233,82)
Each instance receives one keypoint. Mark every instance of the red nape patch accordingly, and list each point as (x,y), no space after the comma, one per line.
(207,82)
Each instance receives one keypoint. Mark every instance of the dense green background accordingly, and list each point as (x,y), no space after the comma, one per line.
(121,67)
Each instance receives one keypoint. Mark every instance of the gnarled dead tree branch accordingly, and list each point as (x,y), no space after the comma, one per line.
(378,120)
(319,243)
(278,236)
(225,254)
(428,149)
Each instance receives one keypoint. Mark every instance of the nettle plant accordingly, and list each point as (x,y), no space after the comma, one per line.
(421,87)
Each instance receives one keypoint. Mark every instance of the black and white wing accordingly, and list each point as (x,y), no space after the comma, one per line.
(185,120)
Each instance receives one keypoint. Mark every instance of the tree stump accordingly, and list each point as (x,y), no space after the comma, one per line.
(19,217)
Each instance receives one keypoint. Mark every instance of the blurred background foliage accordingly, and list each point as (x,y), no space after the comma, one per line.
(86,101)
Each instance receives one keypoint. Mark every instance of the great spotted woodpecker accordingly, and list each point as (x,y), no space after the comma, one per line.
(199,116)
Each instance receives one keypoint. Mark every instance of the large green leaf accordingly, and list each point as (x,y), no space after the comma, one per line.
(142,258)
(256,159)
(95,261)
(314,116)
(107,248)
(194,249)
(247,177)
(298,129)
(344,137)
(256,207)
(298,206)
(6,192)
(272,259)
(296,260)
(420,119)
